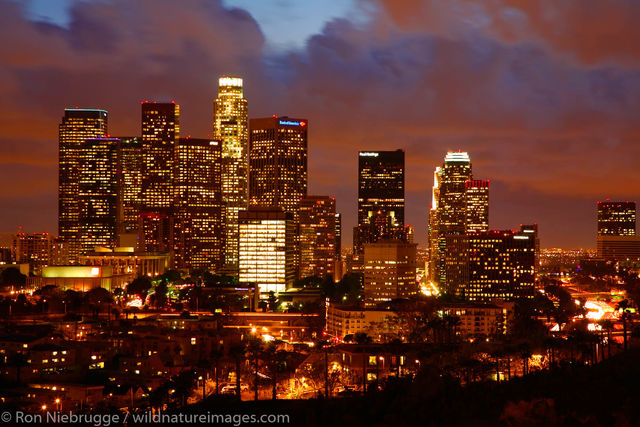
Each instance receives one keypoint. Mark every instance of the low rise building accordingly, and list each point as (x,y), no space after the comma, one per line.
(343,321)
(481,319)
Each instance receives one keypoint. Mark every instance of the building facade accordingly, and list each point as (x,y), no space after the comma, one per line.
(78,124)
(616,218)
(616,237)
(230,126)
(160,131)
(618,248)
(477,209)
(380,198)
(278,163)
(32,248)
(318,236)
(389,271)
(131,160)
(448,214)
(501,266)
(198,205)
(266,256)
(344,320)
(99,193)
(482,320)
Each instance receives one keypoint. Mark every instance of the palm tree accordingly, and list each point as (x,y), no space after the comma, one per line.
(216,355)
(624,306)
(325,345)
(18,360)
(607,325)
(453,322)
(275,359)
(237,352)
(498,355)
(254,349)
(525,353)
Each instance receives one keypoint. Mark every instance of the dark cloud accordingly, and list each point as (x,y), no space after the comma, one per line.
(553,124)
(590,31)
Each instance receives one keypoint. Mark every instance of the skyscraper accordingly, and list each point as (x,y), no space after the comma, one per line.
(230,126)
(198,204)
(160,131)
(318,236)
(380,197)
(266,250)
(532,230)
(616,238)
(99,193)
(76,126)
(448,214)
(131,158)
(477,195)
(278,163)
(616,218)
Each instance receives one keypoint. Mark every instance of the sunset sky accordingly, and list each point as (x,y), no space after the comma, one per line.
(545,96)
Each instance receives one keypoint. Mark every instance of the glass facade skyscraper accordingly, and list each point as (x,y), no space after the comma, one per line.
(78,124)
(197,208)
(380,198)
(99,193)
(230,126)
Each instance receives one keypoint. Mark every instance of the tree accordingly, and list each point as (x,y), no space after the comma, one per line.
(216,356)
(362,338)
(272,301)
(607,325)
(254,350)
(275,360)
(170,276)
(12,277)
(97,297)
(159,296)
(18,360)
(182,384)
(237,352)
(624,306)
(139,286)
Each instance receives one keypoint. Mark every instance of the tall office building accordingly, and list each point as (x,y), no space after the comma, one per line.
(131,159)
(532,230)
(99,193)
(380,198)
(266,250)
(160,131)
(501,265)
(78,124)
(448,214)
(278,163)
(230,126)
(389,271)
(616,218)
(318,237)
(34,249)
(477,209)
(616,238)
(198,204)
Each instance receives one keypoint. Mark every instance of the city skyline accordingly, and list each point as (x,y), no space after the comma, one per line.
(354,212)
(550,153)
